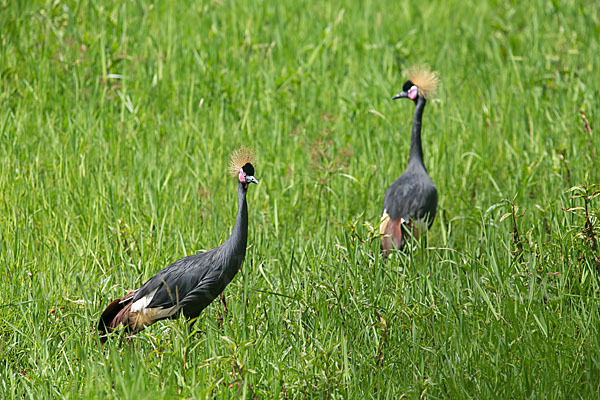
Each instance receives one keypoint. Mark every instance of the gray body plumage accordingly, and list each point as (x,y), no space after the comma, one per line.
(193,282)
(187,286)
(413,196)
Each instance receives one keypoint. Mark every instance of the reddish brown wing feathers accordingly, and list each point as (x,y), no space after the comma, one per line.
(113,315)
(392,238)
(395,234)
(122,318)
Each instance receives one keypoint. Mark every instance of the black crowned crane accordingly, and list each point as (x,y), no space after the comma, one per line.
(410,202)
(188,285)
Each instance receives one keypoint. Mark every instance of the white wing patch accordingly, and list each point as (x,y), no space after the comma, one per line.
(143,302)
(143,316)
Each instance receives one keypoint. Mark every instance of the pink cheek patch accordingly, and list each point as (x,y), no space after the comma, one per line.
(242,177)
(412,93)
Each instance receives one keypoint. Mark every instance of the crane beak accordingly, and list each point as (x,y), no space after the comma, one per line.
(402,95)
(251,179)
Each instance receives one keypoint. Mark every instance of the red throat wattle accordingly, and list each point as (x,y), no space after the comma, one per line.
(412,94)
(242,178)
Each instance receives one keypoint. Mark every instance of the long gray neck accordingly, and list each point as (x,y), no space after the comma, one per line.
(416,149)
(239,236)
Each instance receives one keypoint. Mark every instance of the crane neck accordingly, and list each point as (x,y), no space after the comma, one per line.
(416,148)
(239,236)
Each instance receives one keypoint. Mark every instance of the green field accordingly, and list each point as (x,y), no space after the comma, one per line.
(117,119)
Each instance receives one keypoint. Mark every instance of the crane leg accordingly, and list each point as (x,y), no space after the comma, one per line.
(225,310)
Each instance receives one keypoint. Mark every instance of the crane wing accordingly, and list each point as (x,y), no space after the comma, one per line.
(411,199)
(171,285)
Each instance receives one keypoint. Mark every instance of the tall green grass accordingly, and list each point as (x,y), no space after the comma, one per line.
(116,122)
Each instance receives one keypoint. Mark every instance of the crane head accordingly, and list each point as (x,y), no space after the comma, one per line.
(422,82)
(409,91)
(246,175)
(241,165)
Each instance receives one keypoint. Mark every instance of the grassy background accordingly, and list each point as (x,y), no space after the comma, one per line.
(116,122)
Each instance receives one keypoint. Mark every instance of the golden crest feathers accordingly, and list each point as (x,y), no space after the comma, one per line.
(426,80)
(239,158)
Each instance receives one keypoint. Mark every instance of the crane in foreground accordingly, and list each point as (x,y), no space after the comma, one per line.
(190,284)
(410,202)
